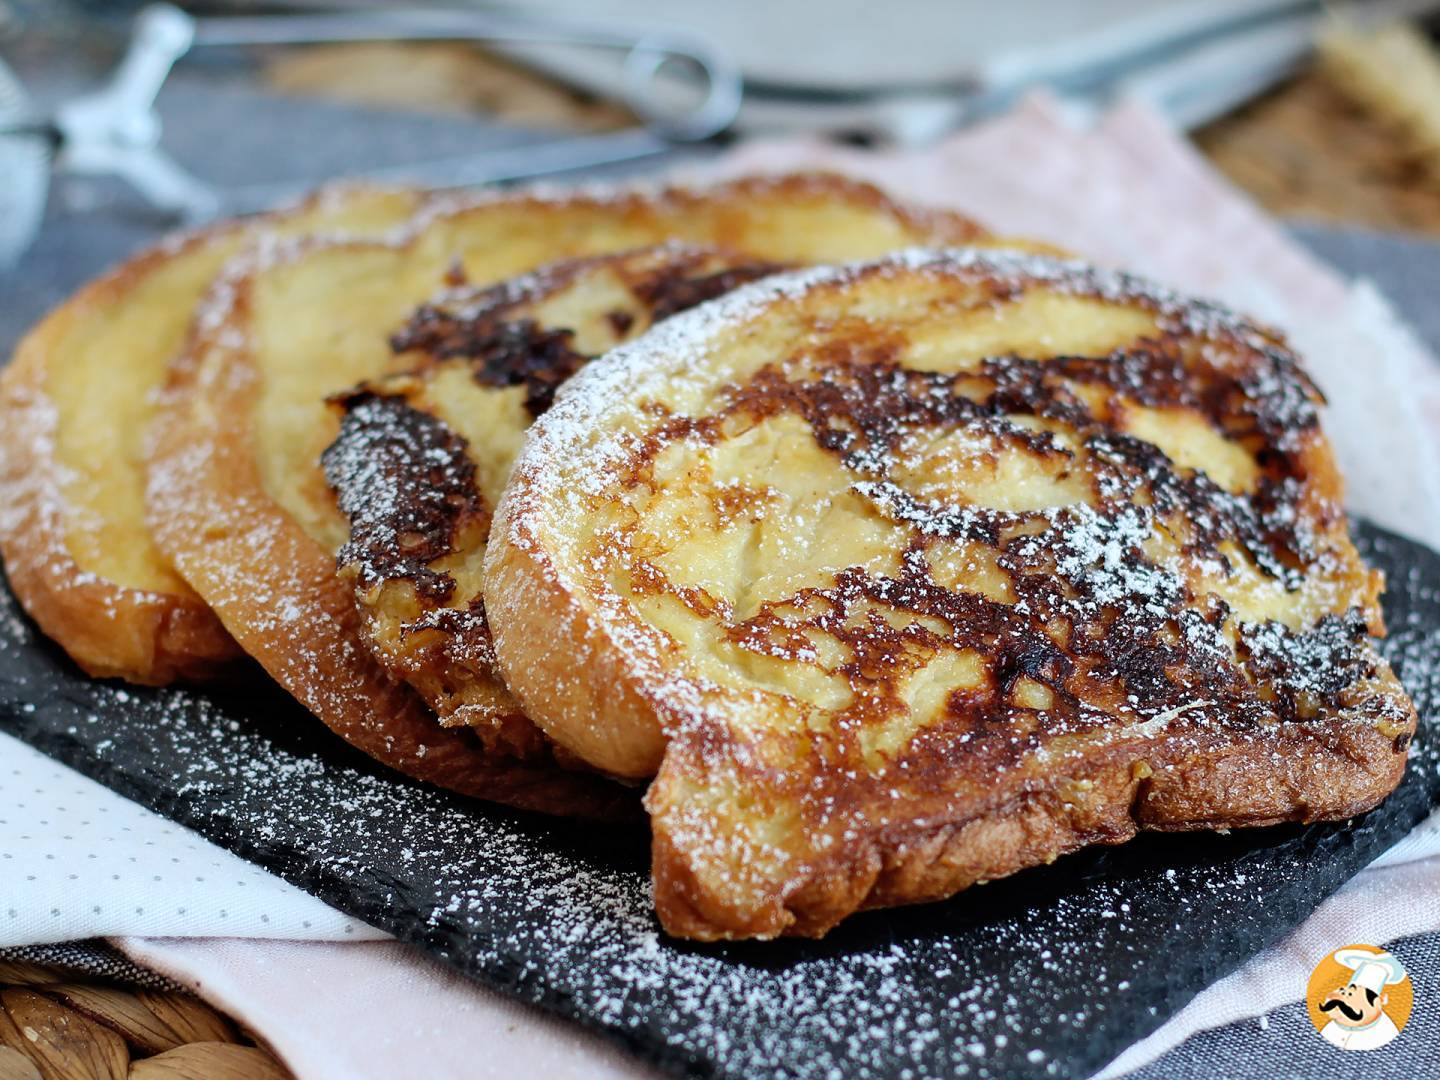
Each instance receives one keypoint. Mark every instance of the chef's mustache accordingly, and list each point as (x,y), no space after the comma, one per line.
(1336,1003)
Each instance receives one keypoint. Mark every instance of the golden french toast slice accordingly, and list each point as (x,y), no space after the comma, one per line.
(237,498)
(74,412)
(911,574)
(422,455)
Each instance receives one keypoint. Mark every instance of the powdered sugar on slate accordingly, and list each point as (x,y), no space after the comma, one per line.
(1049,973)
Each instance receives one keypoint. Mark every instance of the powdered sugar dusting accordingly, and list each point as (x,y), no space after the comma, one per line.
(600,423)
(615,383)
(1048,974)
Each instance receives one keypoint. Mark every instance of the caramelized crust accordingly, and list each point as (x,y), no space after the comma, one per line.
(417,492)
(237,498)
(74,410)
(915,573)
(278,594)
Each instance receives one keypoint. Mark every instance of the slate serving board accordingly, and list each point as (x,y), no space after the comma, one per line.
(1049,973)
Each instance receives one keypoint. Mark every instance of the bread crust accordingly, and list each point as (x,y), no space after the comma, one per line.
(529,610)
(1223,788)
(420,456)
(110,629)
(942,823)
(301,621)
(250,558)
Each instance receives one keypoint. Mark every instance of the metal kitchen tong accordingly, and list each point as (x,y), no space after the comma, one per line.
(116,131)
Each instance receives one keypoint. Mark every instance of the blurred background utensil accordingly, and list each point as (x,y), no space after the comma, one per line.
(25,149)
(620,82)
(678,88)
(909,71)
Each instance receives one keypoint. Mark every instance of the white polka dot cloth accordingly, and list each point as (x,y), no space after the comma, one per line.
(79,861)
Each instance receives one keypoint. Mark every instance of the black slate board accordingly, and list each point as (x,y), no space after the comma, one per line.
(1051,972)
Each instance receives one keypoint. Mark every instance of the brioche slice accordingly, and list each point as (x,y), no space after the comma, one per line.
(911,574)
(423,454)
(74,410)
(237,498)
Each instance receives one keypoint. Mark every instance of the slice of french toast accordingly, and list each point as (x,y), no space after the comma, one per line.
(74,410)
(423,454)
(911,574)
(237,497)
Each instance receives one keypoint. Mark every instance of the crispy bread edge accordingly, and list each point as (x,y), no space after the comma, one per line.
(529,610)
(108,629)
(299,620)
(150,637)
(947,226)
(889,868)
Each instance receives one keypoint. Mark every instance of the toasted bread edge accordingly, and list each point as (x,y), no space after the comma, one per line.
(529,609)
(305,629)
(108,629)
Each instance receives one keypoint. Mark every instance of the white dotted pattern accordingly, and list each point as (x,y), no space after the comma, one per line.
(78,861)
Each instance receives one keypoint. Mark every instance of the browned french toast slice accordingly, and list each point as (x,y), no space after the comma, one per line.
(422,455)
(74,411)
(237,498)
(911,574)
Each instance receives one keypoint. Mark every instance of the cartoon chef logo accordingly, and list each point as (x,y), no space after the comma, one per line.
(1359,997)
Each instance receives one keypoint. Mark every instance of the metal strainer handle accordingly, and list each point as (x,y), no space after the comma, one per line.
(116,130)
